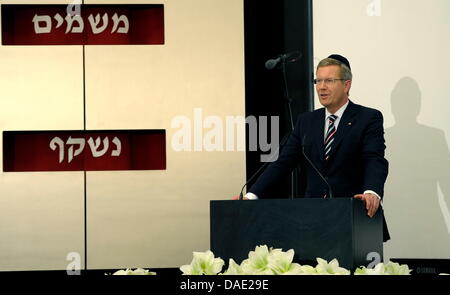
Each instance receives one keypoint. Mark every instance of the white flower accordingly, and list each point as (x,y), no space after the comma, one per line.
(265,261)
(121,272)
(137,271)
(331,268)
(391,268)
(297,269)
(307,270)
(377,270)
(203,263)
(281,262)
(233,268)
(257,262)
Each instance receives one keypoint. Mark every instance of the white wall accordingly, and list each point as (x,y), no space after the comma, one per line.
(134,218)
(399,54)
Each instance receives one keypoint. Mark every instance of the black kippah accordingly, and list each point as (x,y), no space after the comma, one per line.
(341,59)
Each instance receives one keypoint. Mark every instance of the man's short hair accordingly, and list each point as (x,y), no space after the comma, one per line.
(346,73)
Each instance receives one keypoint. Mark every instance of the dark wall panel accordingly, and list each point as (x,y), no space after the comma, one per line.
(273,28)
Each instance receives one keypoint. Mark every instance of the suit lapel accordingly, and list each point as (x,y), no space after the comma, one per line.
(319,127)
(345,125)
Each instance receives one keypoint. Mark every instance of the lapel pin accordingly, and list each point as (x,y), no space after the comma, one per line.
(349,123)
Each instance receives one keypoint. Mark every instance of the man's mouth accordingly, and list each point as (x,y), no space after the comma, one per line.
(324,96)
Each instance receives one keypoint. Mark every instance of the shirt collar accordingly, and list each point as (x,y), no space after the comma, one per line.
(339,112)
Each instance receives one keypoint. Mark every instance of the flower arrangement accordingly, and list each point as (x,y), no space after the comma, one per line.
(268,261)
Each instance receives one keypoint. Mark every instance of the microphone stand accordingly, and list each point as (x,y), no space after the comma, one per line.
(294,174)
(286,93)
(264,166)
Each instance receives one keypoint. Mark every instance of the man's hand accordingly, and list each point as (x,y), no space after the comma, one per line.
(237,198)
(371,201)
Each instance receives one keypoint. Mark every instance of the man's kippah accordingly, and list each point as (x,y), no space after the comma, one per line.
(341,59)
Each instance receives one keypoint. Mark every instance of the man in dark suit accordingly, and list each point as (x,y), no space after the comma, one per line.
(343,140)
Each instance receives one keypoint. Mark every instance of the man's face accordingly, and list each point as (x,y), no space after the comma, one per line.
(332,95)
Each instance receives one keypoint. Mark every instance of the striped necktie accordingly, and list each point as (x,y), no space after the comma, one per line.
(330,135)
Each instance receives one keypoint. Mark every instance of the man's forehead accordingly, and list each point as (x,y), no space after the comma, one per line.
(331,69)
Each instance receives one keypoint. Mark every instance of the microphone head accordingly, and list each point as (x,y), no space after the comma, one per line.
(272,63)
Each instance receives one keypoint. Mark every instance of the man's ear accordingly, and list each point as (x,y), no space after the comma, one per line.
(347,86)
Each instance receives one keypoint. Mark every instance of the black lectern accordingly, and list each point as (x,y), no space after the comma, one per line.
(326,228)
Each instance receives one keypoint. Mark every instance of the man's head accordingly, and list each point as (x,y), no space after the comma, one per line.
(333,82)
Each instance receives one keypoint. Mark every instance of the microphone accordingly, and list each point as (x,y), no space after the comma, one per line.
(287,58)
(330,191)
(241,195)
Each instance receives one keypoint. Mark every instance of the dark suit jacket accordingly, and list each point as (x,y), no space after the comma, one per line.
(356,160)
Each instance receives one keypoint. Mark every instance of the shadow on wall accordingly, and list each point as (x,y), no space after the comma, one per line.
(418,185)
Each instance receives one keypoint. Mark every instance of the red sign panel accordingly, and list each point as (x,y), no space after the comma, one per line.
(84,150)
(82,24)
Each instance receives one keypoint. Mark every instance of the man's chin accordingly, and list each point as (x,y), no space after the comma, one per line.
(324,102)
